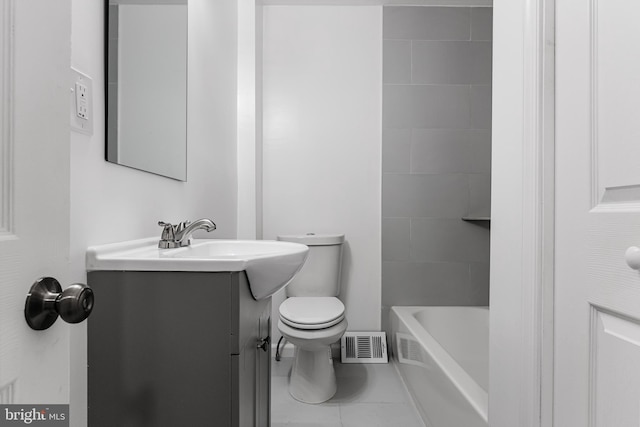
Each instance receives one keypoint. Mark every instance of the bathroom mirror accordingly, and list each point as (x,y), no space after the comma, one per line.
(146,94)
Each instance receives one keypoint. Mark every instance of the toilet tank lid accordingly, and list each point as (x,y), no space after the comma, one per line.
(312,239)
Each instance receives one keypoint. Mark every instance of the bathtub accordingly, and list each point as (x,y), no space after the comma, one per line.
(442,354)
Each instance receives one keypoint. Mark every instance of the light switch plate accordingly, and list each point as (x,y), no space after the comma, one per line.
(81,99)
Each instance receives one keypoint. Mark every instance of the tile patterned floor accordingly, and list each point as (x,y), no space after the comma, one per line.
(369,395)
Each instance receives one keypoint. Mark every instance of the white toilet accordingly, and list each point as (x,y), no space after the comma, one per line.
(312,318)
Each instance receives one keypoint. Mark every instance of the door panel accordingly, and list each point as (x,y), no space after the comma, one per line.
(616,90)
(597,296)
(34,219)
(615,348)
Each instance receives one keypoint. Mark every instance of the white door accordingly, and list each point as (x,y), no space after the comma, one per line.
(34,193)
(597,299)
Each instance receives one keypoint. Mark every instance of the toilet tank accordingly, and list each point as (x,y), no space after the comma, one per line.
(320,274)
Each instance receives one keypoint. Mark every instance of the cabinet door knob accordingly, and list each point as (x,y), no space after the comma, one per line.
(265,343)
(46,301)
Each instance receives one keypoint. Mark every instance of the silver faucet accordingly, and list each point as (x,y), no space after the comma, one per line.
(176,236)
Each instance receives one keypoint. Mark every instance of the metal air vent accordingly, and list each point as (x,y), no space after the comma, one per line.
(364,347)
(409,350)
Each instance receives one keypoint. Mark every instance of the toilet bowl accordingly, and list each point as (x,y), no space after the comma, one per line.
(312,317)
(312,324)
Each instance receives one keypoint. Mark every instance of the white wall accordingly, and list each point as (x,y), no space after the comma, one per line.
(322,137)
(506,251)
(249,119)
(522,215)
(111,203)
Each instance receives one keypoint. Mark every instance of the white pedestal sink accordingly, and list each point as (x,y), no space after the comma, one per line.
(269,264)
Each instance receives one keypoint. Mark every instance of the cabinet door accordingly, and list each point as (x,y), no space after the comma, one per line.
(159,349)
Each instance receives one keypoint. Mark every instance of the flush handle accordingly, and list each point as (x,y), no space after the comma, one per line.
(265,343)
(46,301)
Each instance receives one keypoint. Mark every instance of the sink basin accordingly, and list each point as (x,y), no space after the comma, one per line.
(269,264)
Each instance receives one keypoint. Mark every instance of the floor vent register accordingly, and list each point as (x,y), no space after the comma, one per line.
(364,347)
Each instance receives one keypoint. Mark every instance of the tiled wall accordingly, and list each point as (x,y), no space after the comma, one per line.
(436,155)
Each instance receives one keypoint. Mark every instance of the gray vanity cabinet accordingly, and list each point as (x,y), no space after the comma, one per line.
(177,349)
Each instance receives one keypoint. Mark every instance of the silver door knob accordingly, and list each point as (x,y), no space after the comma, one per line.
(632,257)
(46,301)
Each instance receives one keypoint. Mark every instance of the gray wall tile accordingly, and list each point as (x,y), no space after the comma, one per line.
(439,3)
(441,62)
(396,239)
(480,151)
(396,150)
(426,106)
(448,240)
(445,107)
(481,54)
(427,283)
(426,23)
(451,151)
(440,151)
(396,158)
(482,23)
(481,106)
(451,62)
(436,155)
(479,276)
(433,196)
(396,136)
(397,193)
(397,106)
(396,61)
(480,195)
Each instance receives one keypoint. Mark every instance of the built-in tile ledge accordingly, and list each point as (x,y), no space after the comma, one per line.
(476,218)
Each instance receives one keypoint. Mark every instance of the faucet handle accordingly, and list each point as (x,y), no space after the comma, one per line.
(168,237)
(168,232)
(181,226)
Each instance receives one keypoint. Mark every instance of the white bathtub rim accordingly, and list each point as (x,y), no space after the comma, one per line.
(467,386)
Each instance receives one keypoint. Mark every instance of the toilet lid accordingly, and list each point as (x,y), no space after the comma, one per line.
(311,312)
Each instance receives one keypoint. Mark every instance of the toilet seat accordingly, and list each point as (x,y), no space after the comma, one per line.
(311,312)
